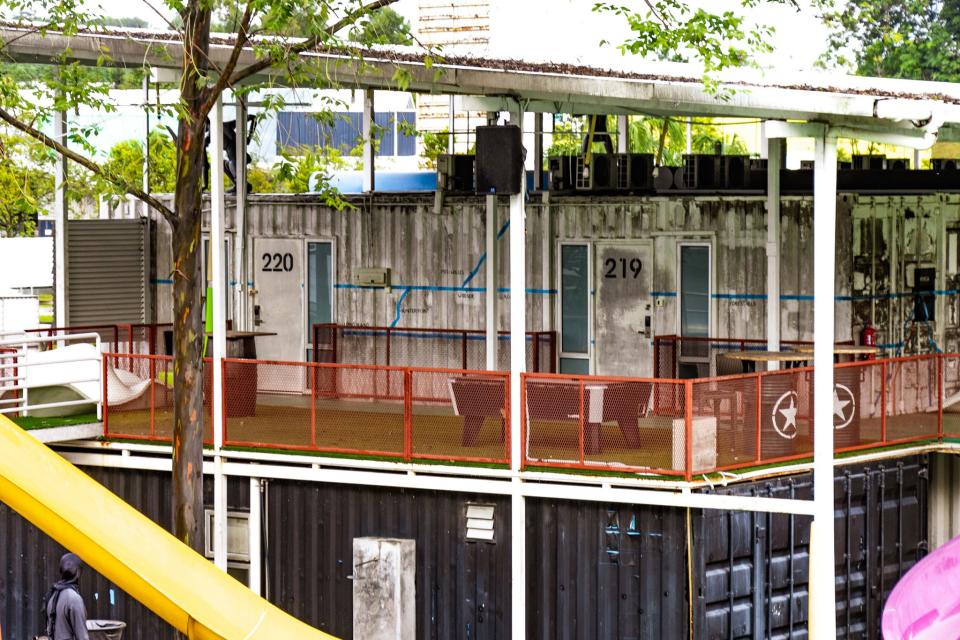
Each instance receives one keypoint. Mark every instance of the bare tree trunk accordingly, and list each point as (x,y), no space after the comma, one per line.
(188,325)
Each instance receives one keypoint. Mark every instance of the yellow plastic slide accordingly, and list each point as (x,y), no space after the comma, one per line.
(141,558)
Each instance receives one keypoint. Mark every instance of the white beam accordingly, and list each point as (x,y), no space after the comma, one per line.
(240,221)
(254,533)
(774,147)
(822,592)
(369,155)
(492,314)
(218,271)
(61,232)
(518,360)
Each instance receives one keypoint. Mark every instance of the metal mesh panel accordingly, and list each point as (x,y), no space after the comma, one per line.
(603,422)
(725,422)
(467,421)
(912,398)
(426,347)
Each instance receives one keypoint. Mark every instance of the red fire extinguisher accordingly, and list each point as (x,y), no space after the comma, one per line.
(868,337)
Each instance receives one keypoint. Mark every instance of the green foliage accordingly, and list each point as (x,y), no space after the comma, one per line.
(292,173)
(383,27)
(435,143)
(645,133)
(125,165)
(26,184)
(915,39)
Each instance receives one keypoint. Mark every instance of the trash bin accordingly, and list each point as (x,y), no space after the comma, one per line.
(105,629)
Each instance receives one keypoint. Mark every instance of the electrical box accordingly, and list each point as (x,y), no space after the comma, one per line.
(455,172)
(376,277)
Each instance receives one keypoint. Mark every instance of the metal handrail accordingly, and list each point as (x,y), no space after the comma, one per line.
(22,342)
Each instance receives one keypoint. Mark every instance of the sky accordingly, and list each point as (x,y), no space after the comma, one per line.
(569,29)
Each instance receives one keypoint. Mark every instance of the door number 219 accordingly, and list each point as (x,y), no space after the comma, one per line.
(277,261)
(622,268)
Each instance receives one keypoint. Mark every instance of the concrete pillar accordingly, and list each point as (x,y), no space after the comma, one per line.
(384,589)
(369,155)
(61,215)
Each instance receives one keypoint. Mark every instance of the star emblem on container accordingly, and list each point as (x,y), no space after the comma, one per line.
(844,406)
(784,415)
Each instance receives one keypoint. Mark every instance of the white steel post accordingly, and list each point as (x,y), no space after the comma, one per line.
(518,360)
(774,146)
(452,126)
(623,134)
(240,220)
(219,338)
(254,532)
(822,592)
(369,154)
(538,151)
(61,215)
(490,272)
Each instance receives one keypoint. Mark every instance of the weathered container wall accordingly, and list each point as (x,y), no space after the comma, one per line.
(594,571)
(462,588)
(29,559)
(753,568)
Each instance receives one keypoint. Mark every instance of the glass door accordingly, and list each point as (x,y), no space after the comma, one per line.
(695,322)
(575,313)
(319,288)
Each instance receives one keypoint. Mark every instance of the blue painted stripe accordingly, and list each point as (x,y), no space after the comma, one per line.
(663,294)
(425,287)
(396,317)
(739,296)
(372,333)
(161,281)
(483,258)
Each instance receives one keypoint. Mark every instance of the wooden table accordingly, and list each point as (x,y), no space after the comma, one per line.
(751,358)
(843,349)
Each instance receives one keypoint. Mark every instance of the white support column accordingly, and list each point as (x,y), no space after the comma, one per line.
(492,314)
(518,359)
(538,151)
(822,592)
(146,144)
(218,260)
(240,221)
(254,533)
(369,155)
(452,126)
(689,136)
(623,134)
(774,146)
(61,232)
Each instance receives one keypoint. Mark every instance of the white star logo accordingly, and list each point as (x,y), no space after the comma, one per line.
(788,411)
(842,399)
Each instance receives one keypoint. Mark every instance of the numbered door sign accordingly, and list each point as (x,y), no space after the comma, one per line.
(623,311)
(278,276)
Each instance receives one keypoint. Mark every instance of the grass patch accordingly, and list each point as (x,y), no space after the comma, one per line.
(28,423)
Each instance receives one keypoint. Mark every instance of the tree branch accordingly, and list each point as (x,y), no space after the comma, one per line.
(309,43)
(87,163)
(224,78)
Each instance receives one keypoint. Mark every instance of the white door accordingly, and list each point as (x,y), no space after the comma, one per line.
(278,278)
(623,308)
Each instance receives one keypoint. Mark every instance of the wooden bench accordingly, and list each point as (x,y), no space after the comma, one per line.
(476,399)
(623,402)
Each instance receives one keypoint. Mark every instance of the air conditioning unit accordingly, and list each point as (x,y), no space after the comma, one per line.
(562,171)
(455,172)
(700,171)
(736,172)
(599,175)
(872,162)
(635,171)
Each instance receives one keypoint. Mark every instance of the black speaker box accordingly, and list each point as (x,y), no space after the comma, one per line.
(499,159)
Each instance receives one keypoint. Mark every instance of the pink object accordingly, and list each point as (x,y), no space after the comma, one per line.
(925,603)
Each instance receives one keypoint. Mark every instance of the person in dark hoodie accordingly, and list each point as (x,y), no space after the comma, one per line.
(66,614)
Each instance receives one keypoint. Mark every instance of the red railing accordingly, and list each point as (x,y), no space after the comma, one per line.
(397,412)
(426,347)
(670,427)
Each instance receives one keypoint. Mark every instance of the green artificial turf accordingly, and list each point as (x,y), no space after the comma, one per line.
(29,423)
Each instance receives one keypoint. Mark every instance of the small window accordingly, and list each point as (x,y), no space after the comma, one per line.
(238,537)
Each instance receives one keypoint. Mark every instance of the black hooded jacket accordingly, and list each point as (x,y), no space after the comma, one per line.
(66,614)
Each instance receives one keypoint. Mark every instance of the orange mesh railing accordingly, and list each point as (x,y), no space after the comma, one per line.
(681,428)
(595,422)
(398,412)
(426,347)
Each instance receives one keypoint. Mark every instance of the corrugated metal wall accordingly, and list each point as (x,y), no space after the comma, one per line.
(436,258)
(754,568)
(463,588)
(29,559)
(594,571)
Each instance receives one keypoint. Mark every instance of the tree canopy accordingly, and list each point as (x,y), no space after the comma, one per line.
(913,39)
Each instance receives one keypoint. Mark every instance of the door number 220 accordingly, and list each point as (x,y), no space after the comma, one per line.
(277,261)
(622,268)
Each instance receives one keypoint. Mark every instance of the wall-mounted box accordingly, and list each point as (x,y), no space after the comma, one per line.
(376,277)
